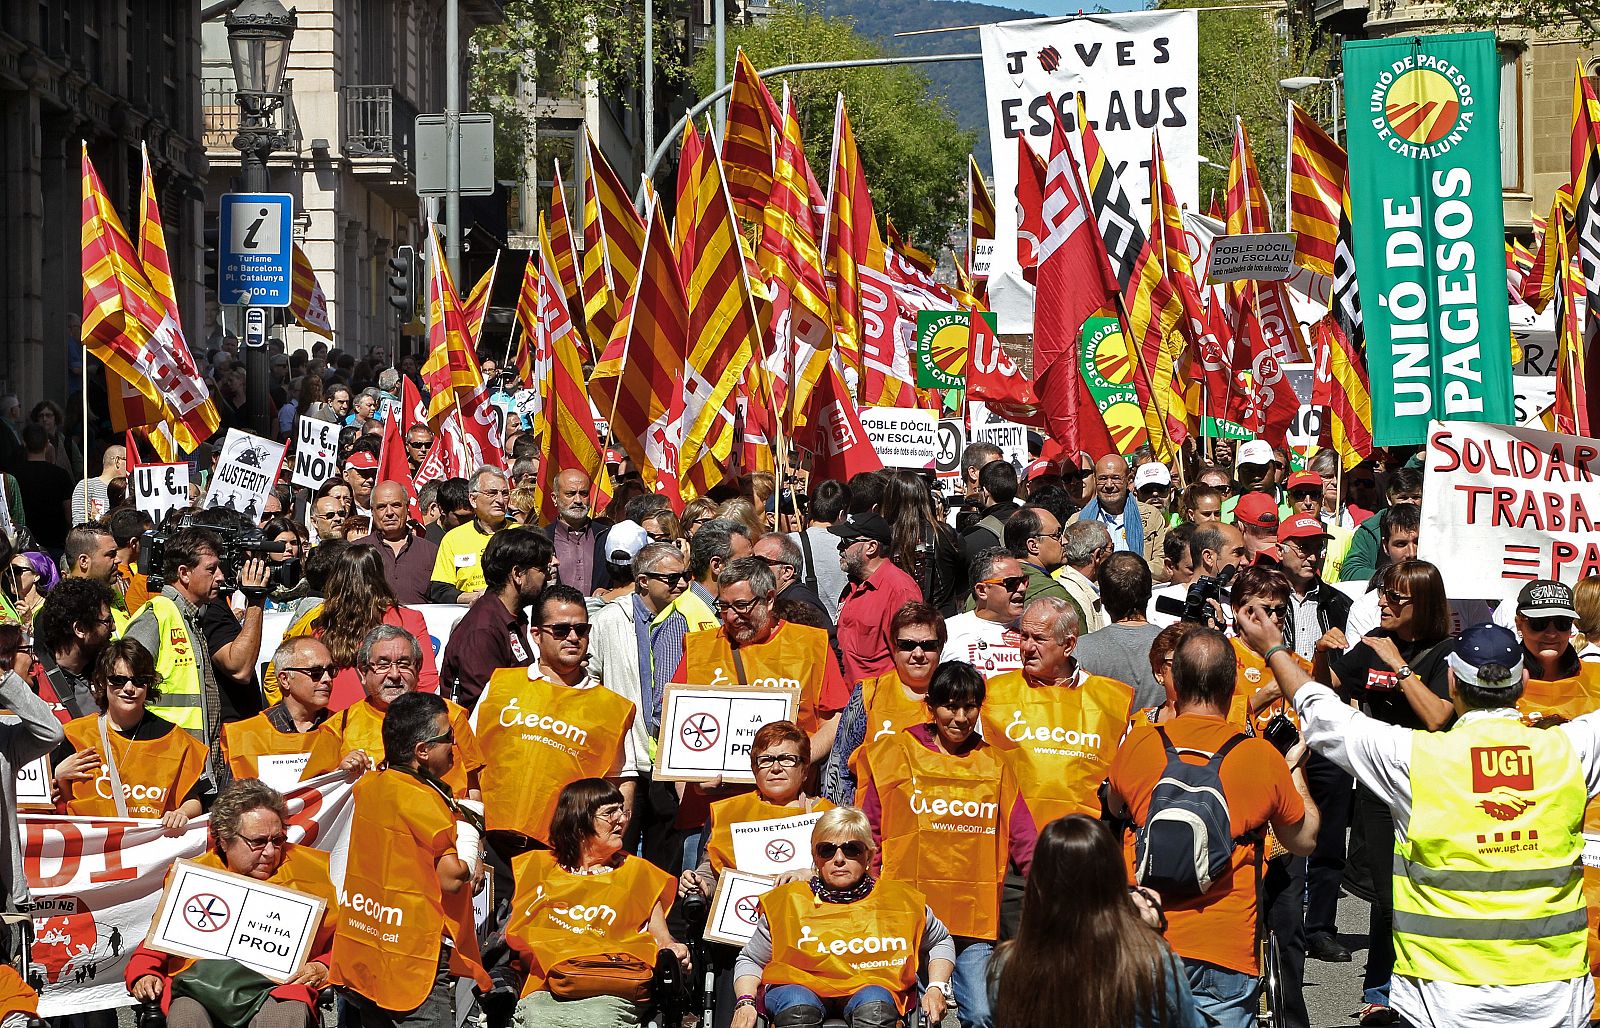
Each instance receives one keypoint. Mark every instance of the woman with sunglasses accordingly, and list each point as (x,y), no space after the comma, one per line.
(1256,698)
(585,897)
(249,836)
(895,700)
(29,576)
(946,811)
(843,943)
(358,598)
(126,761)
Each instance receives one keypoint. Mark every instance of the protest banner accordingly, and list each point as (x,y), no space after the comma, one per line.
(96,883)
(1263,256)
(1505,506)
(775,846)
(245,474)
(736,906)
(943,339)
(987,426)
(1136,72)
(207,913)
(1424,141)
(1107,368)
(33,785)
(316,450)
(706,732)
(905,437)
(947,456)
(160,489)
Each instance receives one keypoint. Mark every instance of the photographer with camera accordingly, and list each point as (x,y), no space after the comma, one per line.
(1217,550)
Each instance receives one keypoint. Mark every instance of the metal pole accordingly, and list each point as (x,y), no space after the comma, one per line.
(1338,87)
(452,138)
(719,18)
(649,76)
(257,366)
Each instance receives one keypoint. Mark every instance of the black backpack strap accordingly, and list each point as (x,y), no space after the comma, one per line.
(808,564)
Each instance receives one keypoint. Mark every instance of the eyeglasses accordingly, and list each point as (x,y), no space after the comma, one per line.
(563,629)
(1012,583)
(1559,624)
(1058,535)
(925,645)
(670,579)
(1303,495)
(448,738)
(315,672)
(405,666)
(778,760)
(614,812)
(852,850)
(102,621)
(278,841)
(739,606)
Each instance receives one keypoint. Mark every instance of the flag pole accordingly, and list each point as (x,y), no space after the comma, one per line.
(83,398)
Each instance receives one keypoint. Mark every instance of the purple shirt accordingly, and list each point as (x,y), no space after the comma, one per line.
(575,551)
(408,571)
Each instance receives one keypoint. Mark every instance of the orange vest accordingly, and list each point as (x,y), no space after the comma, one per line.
(557,915)
(794,658)
(889,711)
(838,949)
(1251,673)
(156,773)
(741,809)
(304,870)
(361,728)
(945,827)
(539,736)
(245,742)
(393,917)
(16,995)
(1060,739)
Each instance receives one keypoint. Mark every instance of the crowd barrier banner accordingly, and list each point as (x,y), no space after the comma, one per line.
(97,881)
(1505,506)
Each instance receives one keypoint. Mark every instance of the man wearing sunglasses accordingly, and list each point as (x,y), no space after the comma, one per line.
(493,634)
(282,742)
(878,588)
(986,635)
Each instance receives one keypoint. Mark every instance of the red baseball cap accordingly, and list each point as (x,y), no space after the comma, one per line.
(1256,509)
(361,460)
(1037,468)
(1309,479)
(1301,526)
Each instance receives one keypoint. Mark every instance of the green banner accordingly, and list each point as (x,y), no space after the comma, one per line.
(1424,139)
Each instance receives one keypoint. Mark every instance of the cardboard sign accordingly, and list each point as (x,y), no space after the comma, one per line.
(952,443)
(245,475)
(905,437)
(736,907)
(207,913)
(1263,256)
(160,489)
(773,847)
(706,731)
(33,784)
(989,427)
(316,451)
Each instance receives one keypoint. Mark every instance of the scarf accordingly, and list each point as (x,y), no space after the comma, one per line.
(828,894)
(1132,521)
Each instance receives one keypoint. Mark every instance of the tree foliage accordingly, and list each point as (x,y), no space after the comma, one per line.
(914,152)
(1577,20)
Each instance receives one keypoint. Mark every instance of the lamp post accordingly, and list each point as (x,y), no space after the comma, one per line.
(259,33)
(1299,82)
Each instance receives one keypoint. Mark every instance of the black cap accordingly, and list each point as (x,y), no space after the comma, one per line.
(1546,599)
(863,526)
(1482,645)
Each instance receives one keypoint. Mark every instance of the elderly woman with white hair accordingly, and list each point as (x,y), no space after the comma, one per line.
(843,943)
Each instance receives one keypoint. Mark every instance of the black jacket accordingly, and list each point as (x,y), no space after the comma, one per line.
(1333,610)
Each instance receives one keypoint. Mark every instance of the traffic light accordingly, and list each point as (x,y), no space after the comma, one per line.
(403,281)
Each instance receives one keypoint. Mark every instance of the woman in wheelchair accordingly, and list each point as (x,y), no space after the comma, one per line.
(588,920)
(843,943)
(248,837)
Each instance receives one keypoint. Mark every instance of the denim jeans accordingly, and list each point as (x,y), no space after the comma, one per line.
(1228,997)
(971,981)
(779,998)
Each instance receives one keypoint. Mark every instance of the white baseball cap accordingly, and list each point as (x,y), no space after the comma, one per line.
(1256,451)
(1151,472)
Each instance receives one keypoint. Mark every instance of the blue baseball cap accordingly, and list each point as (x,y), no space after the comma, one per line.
(1481,646)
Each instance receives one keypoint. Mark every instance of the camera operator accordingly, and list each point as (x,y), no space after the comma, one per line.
(1217,550)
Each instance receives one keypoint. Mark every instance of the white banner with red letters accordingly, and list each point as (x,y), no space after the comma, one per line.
(1504,506)
(97,881)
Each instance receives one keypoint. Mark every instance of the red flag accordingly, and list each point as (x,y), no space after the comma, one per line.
(992,376)
(1030,205)
(131,444)
(413,411)
(838,442)
(392,463)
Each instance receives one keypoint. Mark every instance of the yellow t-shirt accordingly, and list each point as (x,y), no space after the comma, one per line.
(460,559)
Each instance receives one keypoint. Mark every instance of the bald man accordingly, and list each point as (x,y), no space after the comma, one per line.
(282,742)
(1135,527)
(579,539)
(90,499)
(408,555)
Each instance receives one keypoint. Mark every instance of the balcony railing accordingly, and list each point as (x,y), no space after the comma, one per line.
(221,114)
(378,123)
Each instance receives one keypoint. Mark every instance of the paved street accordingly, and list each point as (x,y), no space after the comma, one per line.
(1333,991)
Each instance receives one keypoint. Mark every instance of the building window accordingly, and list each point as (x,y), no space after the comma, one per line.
(1510,120)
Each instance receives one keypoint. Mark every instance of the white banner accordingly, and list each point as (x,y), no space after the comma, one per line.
(97,881)
(316,451)
(159,489)
(245,475)
(775,846)
(988,427)
(905,437)
(1136,72)
(1263,256)
(1504,506)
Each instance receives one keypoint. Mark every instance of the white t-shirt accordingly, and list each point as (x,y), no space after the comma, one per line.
(989,646)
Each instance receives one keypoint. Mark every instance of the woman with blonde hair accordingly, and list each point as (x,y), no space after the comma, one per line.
(1586,600)
(359,599)
(743,511)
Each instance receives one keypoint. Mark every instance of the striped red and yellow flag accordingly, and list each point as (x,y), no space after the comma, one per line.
(1246,200)
(1156,324)
(564,252)
(613,236)
(451,371)
(1113,209)
(307,302)
(1316,177)
(1571,408)
(1341,386)
(691,155)
(802,329)
(476,307)
(1262,308)
(633,382)
(849,231)
(1540,284)
(753,118)
(723,330)
(570,440)
(527,323)
(980,215)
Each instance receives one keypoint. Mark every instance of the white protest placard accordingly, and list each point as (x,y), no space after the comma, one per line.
(773,847)
(245,474)
(33,784)
(207,913)
(1136,72)
(952,444)
(160,489)
(1504,506)
(905,437)
(986,426)
(736,907)
(281,770)
(1263,256)
(706,732)
(316,451)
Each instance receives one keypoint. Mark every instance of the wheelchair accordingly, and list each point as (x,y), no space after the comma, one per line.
(1269,994)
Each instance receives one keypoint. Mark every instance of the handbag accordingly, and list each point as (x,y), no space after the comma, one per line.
(606,974)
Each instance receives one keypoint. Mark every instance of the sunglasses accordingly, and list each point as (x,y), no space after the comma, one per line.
(418,444)
(448,738)
(1560,624)
(565,628)
(925,645)
(257,845)
(1011,583)
(315,672)
(670,579)
(852,850)
(123,681)
(1394,599)
(24,569)
(1280,610)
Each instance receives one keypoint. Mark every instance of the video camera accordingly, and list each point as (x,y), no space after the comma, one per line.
(1196,604)
(239,544)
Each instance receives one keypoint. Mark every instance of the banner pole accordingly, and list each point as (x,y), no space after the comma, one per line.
(83,398)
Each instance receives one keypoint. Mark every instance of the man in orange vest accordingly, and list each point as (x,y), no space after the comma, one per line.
(405,931)
(281,742)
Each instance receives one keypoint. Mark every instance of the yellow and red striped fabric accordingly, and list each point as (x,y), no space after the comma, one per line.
(1155,319)
(849,233)
(307,302)
(564,254)
(613,236)
(1316,178)
(527,324)
(747,157)
(451,371)
(476,307)
(570,440)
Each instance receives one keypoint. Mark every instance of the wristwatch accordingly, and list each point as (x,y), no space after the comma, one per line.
(943,988)
(1403,674)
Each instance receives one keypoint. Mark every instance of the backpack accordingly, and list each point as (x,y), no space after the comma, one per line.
(1185,844)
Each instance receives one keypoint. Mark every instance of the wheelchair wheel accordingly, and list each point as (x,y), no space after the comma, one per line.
(1269,998)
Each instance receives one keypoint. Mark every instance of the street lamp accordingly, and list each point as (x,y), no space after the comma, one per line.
(1300,82)
(259,34)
